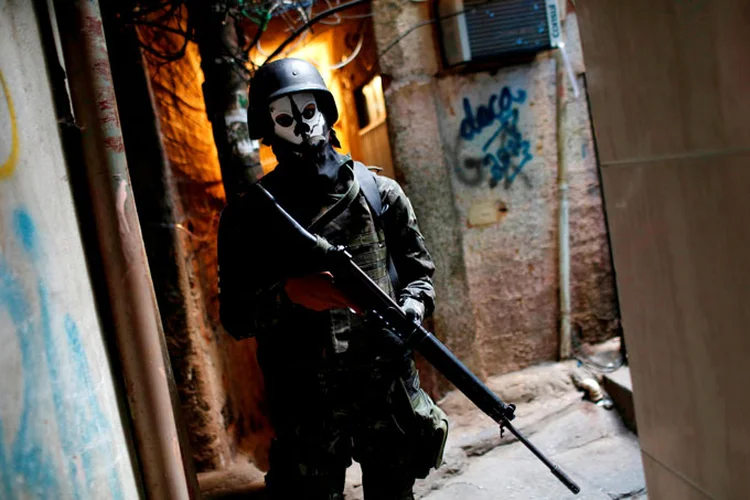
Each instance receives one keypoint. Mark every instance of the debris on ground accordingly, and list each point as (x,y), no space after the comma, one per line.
(588,441)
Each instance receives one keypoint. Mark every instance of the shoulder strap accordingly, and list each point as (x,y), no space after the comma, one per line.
(369,188)
(337,208)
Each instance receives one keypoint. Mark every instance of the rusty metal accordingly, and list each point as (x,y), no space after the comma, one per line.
(143,355)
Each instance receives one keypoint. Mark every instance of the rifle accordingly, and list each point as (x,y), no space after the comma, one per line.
(364,292)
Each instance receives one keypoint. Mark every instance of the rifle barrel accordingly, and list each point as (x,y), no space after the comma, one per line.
(363,288)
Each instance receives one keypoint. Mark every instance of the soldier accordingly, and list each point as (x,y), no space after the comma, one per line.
(338,385)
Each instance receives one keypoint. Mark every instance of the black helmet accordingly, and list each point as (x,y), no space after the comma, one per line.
(280,78)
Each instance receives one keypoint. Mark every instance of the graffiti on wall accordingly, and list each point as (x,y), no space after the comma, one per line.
(9,164)
(58,397)
(505,153)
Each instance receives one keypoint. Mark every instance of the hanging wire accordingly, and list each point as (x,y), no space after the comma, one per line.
(311,22)
(278,4)
(160,18)
(358,16)
(294,47)
(309,39)
(160,15)
(334,10)
(352,56)
(337,18)
(403,35)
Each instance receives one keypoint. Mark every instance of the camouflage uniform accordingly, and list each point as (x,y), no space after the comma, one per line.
(338,387)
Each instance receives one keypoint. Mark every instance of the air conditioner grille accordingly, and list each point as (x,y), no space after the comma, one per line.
(506,26)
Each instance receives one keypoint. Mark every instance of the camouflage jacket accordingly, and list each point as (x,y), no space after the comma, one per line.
(253,265)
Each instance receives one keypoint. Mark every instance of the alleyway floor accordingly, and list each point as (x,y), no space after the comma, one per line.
(587,441)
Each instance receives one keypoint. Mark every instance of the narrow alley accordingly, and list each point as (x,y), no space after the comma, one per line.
(328,249)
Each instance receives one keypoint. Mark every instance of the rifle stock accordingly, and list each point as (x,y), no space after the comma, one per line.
(364,292)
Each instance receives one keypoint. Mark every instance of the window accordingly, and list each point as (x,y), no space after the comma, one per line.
(370,103)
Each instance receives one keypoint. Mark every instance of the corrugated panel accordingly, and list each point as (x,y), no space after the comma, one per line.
(506,26)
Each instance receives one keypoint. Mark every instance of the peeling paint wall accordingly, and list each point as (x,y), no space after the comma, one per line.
(60,430)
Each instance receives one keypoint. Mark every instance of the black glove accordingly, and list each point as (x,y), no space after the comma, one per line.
(414,309)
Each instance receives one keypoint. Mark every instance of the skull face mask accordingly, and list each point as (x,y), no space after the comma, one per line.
(296,118)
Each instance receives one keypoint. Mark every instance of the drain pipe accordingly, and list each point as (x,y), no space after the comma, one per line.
(564,257)
(564,69)
(142,349)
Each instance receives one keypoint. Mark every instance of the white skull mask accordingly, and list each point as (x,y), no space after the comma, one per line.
(296,117)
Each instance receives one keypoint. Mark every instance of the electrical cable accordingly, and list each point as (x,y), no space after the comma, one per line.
(352,56)
(307,39)
(159,17)
(354,3)
(311,22)
(256,39)
(262,52)
(337,16)
(275,6)
(358,16)
(404,34)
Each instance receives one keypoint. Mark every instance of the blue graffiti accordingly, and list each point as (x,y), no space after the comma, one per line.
(506,152)
(84,430)
(497,109)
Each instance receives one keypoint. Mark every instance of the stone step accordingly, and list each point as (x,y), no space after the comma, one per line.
(620,389)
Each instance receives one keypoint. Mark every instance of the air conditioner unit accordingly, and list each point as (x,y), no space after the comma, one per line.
(482,30)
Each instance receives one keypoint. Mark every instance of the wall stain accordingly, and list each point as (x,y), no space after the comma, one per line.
(9,165)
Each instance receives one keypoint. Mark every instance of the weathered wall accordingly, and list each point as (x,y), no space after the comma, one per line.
(501,132)
(60,430)
(423,167)
(219,380)
(511,257)
(595,306)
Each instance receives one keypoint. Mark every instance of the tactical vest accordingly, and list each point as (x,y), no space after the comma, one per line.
(338,331)
(356,229)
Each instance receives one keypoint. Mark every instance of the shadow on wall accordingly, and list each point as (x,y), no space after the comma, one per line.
(218,378)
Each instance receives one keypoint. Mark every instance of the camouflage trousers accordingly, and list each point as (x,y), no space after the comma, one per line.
(338,414)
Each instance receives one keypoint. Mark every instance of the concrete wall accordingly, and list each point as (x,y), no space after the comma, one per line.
(488,200)
(511,258)
(60,429)
(422,167)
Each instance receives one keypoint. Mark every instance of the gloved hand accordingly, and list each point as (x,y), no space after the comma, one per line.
(414,309)
(317,292)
